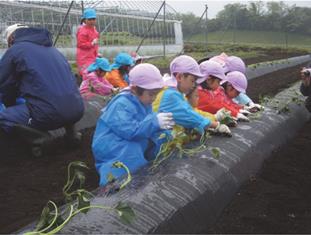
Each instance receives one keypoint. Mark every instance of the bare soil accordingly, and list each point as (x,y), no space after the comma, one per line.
(275,202)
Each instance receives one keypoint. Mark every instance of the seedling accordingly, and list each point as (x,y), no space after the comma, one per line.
(78,200)
(178,145)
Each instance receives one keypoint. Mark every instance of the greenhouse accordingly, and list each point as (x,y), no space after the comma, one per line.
(150,28)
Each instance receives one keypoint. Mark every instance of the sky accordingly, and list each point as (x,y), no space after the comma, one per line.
(197,7)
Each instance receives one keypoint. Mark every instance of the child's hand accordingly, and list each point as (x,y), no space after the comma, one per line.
(253,108)
(95,42)
(242,117)
(223,129)
(222,114)
(165,120)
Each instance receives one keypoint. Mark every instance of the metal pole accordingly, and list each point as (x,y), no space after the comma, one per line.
(156,16)
(61,28)
(206,46)
(234,27)
(82,5)
(286,43)
(164,30)
(182,51)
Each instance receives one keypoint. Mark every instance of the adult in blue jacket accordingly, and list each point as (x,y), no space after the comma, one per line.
(36,73)
(128,130)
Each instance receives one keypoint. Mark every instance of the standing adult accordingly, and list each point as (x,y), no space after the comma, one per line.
(87,40)
(37,87)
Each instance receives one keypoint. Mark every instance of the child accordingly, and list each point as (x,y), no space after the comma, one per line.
(193,99)
(234,84)
(94,82)
(87,40)
(234,63)
(137,58)
(212,97)
(127,128)
(118,77)
(185,71)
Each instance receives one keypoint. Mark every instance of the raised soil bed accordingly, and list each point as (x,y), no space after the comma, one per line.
(28,183)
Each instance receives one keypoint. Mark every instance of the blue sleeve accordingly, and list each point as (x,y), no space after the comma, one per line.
(242,99)
(7,83)
(122,119)
(183,114)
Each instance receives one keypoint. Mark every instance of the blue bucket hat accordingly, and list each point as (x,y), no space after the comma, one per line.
(122,59)
(100,63)
(89,13)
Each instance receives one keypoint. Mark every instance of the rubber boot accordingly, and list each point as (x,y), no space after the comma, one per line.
(72,137)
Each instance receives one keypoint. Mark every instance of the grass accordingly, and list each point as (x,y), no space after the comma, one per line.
(249,44)
(255,38)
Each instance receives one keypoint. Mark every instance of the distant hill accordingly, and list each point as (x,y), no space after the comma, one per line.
(262,38)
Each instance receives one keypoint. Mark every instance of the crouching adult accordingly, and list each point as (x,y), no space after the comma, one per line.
(37,87)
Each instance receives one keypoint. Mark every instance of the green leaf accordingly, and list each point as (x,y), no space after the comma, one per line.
(125,212)
(59,220)
(83,202)
(79,164)
(110,178)
(80,176)
(216,152)
(44,218)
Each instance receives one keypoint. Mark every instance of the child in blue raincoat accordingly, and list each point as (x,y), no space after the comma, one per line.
(128,130)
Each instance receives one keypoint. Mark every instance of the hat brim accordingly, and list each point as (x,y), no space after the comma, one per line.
(106,69)
(239,89)
(200,80)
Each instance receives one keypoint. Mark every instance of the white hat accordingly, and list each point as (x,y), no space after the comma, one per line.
(11,29)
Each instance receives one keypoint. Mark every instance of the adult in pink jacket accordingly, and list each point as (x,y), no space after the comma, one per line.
(87,40)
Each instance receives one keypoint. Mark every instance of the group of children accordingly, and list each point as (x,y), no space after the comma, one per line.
(135,123)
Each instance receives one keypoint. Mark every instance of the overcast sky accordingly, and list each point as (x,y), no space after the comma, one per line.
(197,7)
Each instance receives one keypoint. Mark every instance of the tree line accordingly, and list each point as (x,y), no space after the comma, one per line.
(271,16)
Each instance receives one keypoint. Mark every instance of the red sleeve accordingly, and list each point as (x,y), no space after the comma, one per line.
(83,40)
(212,103)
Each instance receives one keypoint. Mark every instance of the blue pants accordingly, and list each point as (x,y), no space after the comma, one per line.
(133,161)
(18,114)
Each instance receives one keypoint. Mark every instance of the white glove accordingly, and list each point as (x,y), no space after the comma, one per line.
(223,129)
(244,112)
(165,120)
(252,107)
(95,41)
(242,117)
(222,114)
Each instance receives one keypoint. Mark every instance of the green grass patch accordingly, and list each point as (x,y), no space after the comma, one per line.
(257,38)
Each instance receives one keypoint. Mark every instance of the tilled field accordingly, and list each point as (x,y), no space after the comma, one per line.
(28,183)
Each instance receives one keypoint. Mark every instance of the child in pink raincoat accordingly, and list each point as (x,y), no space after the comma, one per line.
(87,41)
(94,82)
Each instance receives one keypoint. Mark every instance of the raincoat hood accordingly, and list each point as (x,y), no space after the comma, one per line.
(38,36)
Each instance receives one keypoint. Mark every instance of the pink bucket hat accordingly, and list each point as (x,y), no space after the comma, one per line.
(237,80)
(212,68)
(220,59)
(185,64)
(234,63)
(146,76)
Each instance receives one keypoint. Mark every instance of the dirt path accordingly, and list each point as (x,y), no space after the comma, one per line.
(26,183)
(278,199)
